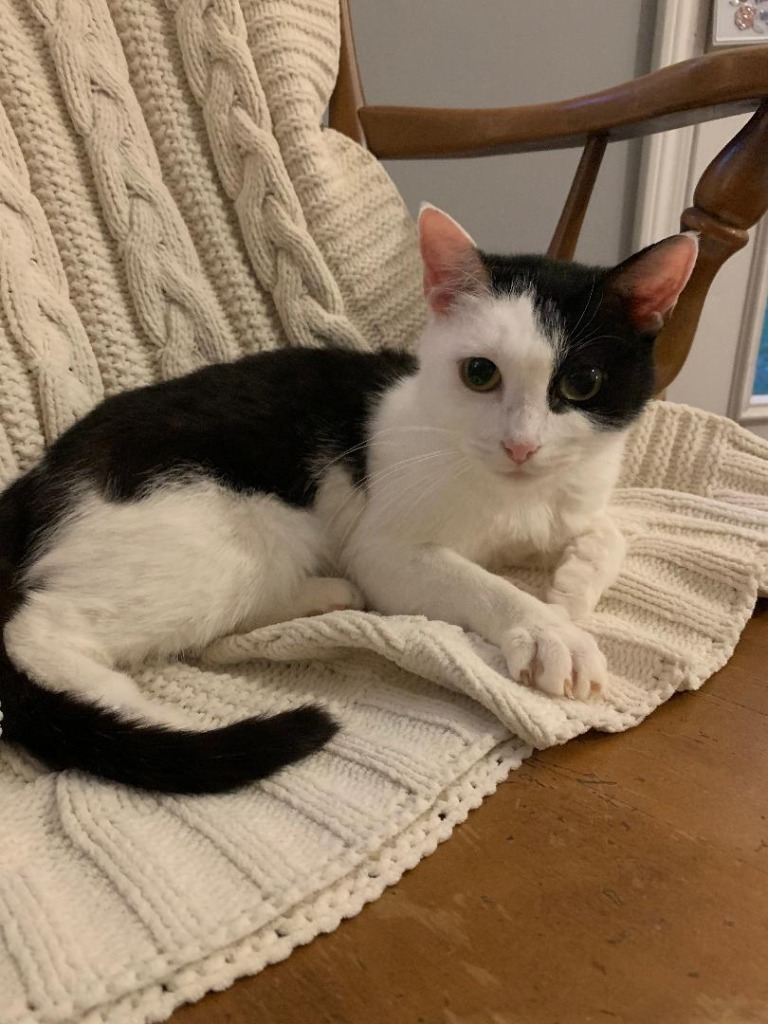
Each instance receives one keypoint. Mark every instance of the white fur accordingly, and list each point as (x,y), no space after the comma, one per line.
(443,504)
(120,582)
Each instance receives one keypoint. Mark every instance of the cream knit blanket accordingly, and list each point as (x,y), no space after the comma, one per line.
(168,198)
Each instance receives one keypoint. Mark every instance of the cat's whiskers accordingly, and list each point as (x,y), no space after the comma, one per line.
(408,486)
(434,478)
(437,480)
(377,478)
(392,499)
(391,474)
(575,332)
(375,436)
(386,471)
(430,484)
(582,343)
(576,335)
(368,443)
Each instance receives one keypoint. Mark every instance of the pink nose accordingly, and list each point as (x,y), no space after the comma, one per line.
(520,451)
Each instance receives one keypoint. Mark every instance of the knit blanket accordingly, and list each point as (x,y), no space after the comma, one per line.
(168,198)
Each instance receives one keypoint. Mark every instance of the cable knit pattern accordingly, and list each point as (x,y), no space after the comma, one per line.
(678,447)
(171,296)
(296,52)
(285,257)
(60,180)
(35,298)
(175,122)
(127,220)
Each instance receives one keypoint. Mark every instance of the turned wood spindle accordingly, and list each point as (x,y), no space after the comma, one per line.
(731,196)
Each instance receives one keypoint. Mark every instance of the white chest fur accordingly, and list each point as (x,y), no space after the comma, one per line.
(424,488)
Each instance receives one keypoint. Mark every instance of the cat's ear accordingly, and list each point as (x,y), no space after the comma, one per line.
(650,282)
(452,264)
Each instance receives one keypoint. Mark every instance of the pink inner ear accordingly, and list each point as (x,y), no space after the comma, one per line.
(654,279)
(452,265)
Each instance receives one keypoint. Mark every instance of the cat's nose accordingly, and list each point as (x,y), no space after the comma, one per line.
(520,451)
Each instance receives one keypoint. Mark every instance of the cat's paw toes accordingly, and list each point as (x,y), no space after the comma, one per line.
(558,658)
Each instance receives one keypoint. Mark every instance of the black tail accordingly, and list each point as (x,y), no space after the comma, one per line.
(65,732)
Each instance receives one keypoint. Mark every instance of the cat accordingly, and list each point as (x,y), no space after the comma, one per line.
(296,482)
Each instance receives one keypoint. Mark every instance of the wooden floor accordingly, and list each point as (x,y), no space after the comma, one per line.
(619,879)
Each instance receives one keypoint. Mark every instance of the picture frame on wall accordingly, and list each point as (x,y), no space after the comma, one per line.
(739,22)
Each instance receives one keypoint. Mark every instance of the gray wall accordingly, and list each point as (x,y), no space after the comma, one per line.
(506,52)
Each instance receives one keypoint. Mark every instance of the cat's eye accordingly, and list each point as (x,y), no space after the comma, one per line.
(581,385)
(479,374)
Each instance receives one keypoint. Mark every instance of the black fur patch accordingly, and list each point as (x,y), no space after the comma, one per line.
(264,424)
(577,304)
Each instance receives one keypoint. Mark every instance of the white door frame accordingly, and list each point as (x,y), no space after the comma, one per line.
(665,164)
(720,374)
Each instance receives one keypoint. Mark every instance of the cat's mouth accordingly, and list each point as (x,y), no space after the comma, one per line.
(529,468)
(499,463)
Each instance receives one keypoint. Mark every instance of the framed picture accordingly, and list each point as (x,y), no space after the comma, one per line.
(735,22)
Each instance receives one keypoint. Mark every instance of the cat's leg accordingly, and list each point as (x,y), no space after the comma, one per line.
(316,595)
(57,652)
(313,595)
(540,643)
(589,565)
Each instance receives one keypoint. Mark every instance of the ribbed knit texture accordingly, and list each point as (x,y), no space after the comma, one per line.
(168,197)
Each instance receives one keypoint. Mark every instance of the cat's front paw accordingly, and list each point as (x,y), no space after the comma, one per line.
(556,657)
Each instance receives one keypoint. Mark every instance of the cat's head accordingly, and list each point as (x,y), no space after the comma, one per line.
(528,358)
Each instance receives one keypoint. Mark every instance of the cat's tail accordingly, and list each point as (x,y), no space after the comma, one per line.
(65,731)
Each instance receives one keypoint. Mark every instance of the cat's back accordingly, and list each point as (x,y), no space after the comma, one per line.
(256,424)
(258,387)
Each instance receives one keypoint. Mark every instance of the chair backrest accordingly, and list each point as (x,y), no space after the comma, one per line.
(731,195)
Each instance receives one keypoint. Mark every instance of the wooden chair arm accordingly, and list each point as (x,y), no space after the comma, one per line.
(732,194)
(701,89)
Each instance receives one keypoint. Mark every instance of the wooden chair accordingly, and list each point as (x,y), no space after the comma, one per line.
(618,878)
(731,196)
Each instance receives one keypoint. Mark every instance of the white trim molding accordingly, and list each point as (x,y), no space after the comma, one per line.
(720,377)
(665,163)
(743,406)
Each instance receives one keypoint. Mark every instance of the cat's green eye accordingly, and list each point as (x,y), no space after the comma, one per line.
(581,385)
(479,374)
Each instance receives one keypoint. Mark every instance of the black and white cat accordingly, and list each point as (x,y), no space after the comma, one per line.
(300,481)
